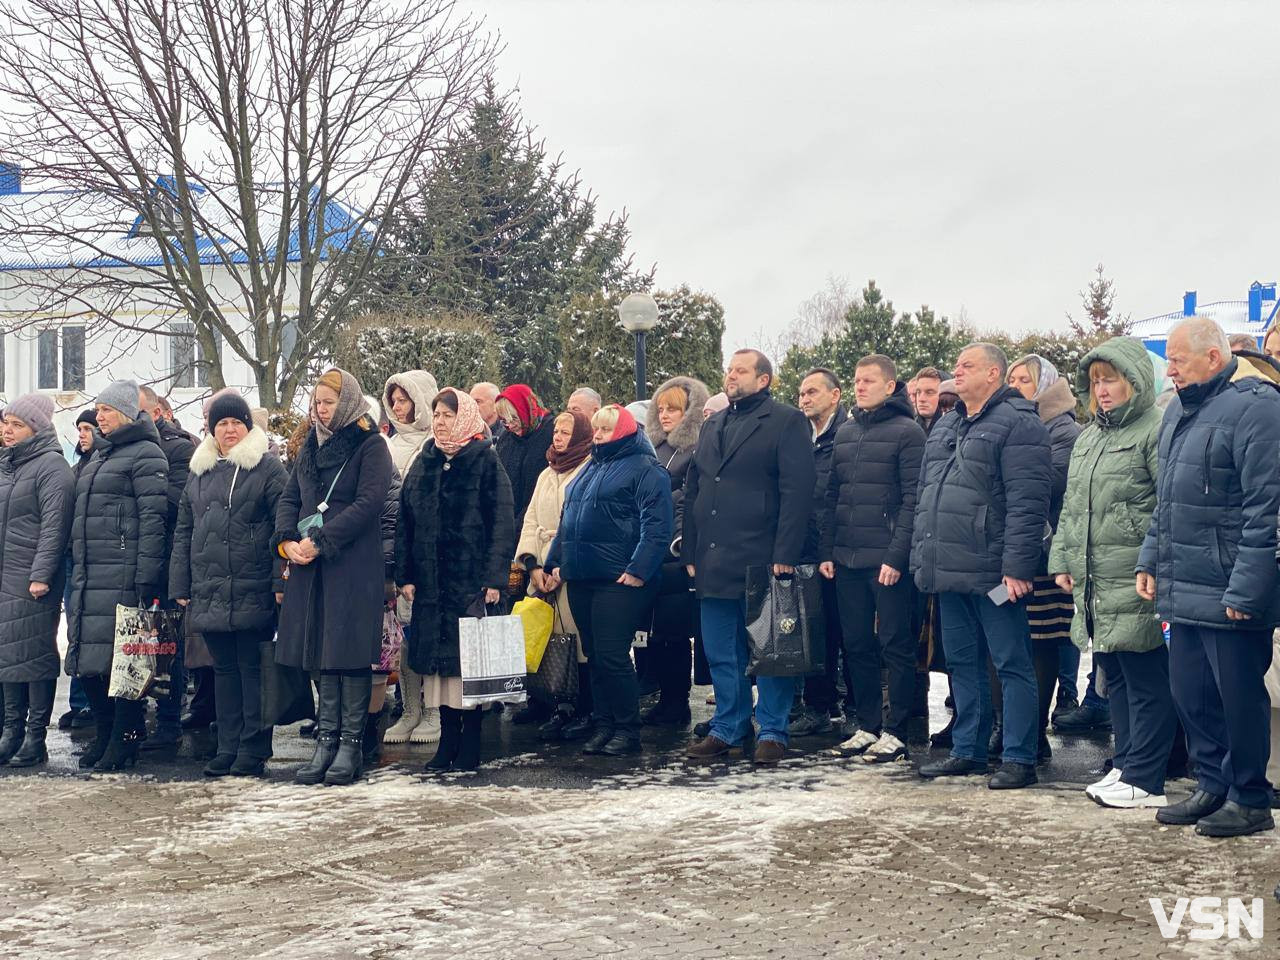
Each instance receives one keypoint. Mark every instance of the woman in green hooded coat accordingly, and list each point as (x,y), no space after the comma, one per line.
(1111,493)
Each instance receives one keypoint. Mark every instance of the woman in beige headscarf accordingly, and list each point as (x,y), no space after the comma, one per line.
(328,528)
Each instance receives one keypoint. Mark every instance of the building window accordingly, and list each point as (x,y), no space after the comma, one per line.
(47,352)
(73,358)
(187,358)
(72,365)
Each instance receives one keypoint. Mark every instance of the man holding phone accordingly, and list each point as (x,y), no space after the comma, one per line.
(980,528)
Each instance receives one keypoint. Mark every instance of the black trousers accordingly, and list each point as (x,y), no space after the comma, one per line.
(1142,715)
(820,693)
(876,621)
(608,615)
(1216,677)
(237,680)
(676,621)
(120,715)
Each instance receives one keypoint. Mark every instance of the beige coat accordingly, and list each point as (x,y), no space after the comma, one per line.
(540,523)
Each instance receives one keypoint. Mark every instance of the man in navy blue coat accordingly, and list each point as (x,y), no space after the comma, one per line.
(1209,562)
(981,522)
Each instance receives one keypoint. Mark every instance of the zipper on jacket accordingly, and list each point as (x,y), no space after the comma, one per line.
(1207,458)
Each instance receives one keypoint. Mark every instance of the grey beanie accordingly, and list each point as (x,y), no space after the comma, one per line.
(121,395)
(33,409)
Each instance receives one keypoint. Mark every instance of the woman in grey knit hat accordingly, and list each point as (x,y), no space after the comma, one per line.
(36,491)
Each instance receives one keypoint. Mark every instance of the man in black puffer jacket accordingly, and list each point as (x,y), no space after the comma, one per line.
(820,403)
(981,520)
(119,556)
(870,508)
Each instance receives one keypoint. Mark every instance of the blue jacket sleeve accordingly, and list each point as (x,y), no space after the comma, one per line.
(653,501)
(1256,450)
(1027,472)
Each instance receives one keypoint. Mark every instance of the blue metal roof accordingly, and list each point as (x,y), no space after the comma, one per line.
(63,229)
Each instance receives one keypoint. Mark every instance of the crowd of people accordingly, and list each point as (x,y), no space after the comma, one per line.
(990,525)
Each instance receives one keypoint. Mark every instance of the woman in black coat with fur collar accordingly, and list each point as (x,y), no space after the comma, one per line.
(331,617)
(454,542)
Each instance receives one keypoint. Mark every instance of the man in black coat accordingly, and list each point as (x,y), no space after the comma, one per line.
(928,386)
(820,403)
(866,543)
(748,499)
(981,520)
(177,446)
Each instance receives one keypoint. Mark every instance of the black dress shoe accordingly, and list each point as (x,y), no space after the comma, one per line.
(249,767)
(951,767)
(943,737)
(577,728)
(1233,820)
(1044,752)
(597,741)
(1083,719)
(1191,810)
(700,730)
(553,729)
(621,745)
(1012,776)
(665,713)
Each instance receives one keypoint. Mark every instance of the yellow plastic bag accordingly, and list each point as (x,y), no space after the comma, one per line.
(537,617)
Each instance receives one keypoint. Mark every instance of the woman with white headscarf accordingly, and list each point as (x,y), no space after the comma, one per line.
(328,528)
(1049,609)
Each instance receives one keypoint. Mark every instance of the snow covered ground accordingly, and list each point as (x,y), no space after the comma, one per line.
(820,857)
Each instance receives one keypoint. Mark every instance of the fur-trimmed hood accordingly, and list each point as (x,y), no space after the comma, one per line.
(246,454)
(1057,400)
(685,436)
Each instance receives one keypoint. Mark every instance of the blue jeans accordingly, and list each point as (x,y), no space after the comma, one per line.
(724,635)
(1068,670)
(972,627)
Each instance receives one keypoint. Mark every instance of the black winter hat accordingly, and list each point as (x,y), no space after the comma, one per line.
(226,405)
(88,416)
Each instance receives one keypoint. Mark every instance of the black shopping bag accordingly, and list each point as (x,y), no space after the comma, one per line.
(286,691)
(786,632)
(557,678)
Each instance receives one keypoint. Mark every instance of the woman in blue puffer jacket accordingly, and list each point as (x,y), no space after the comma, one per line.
(609,547)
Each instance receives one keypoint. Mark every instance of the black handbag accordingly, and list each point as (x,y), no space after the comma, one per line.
(557,678)
(786,629)
(286,691)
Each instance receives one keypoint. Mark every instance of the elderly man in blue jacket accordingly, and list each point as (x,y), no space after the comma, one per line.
(980,528)
(1209,562)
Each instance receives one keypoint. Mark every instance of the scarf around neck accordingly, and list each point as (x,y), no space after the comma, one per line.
(579,447)
(351,407)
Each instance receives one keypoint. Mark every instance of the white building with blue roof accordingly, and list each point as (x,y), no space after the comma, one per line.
(71,258)
(1253,316)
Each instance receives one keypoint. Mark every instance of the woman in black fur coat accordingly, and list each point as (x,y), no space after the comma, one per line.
(454,543)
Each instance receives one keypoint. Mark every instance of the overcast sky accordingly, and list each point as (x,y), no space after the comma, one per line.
(975,155)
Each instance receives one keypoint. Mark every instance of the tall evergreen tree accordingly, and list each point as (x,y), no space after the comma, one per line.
(505,232)
(1099,323)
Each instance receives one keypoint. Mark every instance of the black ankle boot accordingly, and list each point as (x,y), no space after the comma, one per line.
(347,765)
(40,712)
(15,720)
(122,751)
(450,740)
(374,726)
(469,747)
(328,710)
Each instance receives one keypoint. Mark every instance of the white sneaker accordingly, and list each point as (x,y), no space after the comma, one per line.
(885,750)
(428,730)
(1113,776)
(856,744)
(1121,794)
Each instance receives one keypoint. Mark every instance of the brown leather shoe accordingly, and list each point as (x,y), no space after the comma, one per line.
(768,752)
(708,748)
